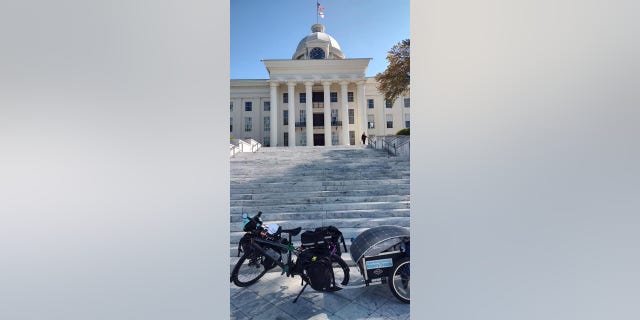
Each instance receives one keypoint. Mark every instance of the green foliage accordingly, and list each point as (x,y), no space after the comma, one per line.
(403,132)
(395,80)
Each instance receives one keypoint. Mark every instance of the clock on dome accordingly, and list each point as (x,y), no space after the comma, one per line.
(316,53)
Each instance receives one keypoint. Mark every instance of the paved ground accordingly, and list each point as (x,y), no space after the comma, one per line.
(272,298)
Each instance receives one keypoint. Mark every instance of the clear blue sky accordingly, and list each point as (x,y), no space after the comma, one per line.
(272,30)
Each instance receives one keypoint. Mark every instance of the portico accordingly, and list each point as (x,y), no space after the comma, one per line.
(302,104)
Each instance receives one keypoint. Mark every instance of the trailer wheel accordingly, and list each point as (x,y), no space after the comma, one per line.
(399,280)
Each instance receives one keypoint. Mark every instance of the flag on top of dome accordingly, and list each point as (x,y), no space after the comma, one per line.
(320,8)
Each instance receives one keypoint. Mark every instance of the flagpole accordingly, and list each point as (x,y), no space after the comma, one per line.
(317,10)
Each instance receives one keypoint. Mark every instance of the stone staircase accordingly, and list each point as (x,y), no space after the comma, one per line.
(351,187)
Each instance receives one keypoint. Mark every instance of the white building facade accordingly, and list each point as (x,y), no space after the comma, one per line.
(317,98)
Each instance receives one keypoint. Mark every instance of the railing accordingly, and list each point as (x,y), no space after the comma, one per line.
(233,149)
(303,124)
(245,146)
(255,145)
(394,145)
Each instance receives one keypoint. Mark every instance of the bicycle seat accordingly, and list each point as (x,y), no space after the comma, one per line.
(293,232)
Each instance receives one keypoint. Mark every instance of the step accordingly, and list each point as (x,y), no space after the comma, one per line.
(336,177)
(285,199)
(322,206)
(319,183)
(360,164)
(317,215)
(310,194)
(266,190)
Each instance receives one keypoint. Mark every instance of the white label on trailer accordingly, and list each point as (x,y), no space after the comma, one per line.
(382,263)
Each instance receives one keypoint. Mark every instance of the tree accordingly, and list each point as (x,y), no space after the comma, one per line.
(395,80)
(404,132)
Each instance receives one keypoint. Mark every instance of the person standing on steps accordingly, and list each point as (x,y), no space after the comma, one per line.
(364,137)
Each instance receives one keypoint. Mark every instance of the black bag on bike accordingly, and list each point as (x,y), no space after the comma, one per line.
(315,268)
(268,262)
(321,238)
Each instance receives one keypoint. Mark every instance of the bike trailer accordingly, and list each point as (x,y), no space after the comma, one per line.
(377,250)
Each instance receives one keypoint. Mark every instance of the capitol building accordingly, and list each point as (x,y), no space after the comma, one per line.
(318,97)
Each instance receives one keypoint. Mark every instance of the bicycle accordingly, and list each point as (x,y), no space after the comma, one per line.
(263,247)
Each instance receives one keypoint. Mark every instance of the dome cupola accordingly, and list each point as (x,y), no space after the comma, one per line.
(318,45)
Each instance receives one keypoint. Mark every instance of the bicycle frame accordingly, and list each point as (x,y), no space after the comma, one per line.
(288,247)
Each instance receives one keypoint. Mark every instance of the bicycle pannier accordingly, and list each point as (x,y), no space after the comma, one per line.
(317,270)
(321,237)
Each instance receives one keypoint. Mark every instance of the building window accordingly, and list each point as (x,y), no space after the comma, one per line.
(318,119)
(303,139)
(333,96)
(267,123)
(303,97)
(266,106)
(286,139)
(317,96)
(266,141)
(351,116)
(231,106)
(406,102)
(334,138)
(334,116)
(388,103)
(285,97)
(248,106)
(231,124)
(370,103)
(285,117)
(370,122)
(389,121)
(247,124)
(352,138)
(349,96)
(406,120)
(303,116)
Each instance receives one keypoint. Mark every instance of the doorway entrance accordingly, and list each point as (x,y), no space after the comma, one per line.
(318,139)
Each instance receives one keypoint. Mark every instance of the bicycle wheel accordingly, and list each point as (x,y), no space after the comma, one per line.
(342,275)
(249,269)
(399,280)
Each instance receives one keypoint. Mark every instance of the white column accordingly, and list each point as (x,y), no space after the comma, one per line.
(344,139)
(309,110)
(363,111)
(292,114)
(327,112)
(274,113)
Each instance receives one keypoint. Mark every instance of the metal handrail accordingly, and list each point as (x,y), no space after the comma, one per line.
(389,143)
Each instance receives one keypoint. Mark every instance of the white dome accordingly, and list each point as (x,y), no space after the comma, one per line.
(318,39)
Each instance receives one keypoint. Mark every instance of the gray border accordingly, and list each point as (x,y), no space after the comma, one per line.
(525,159)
